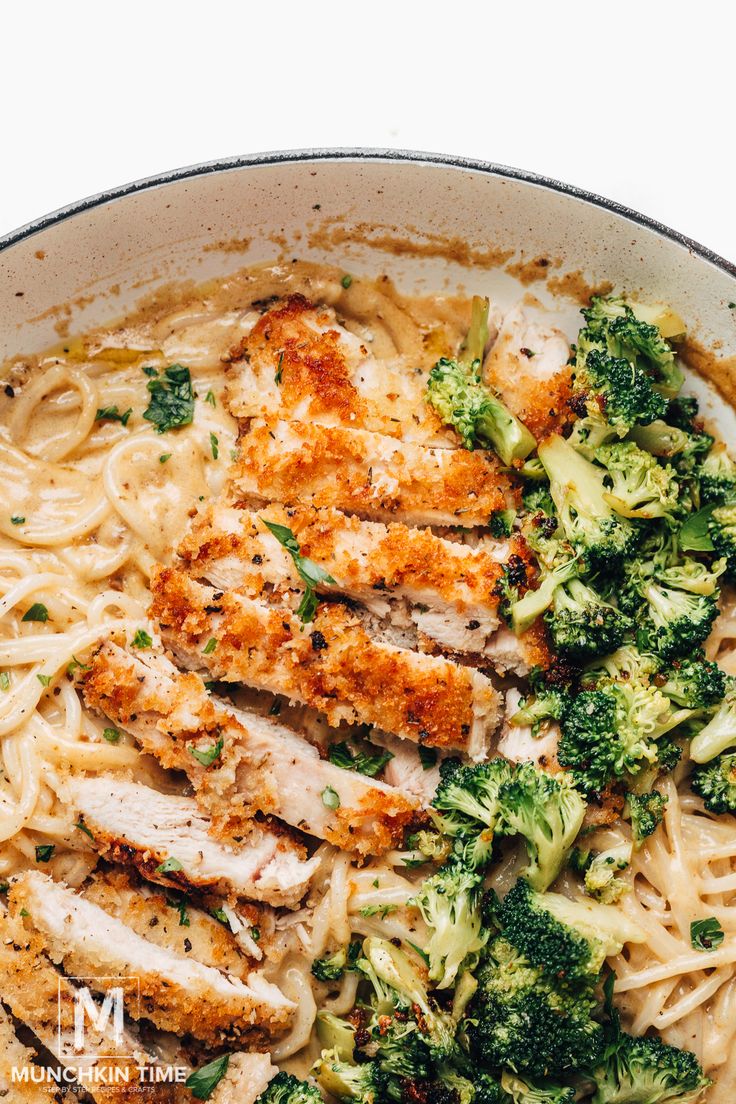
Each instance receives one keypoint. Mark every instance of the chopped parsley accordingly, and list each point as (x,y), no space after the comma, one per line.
(209,646)
(76,665)
(309,572)
(169,866)
(427,757)
(210,398)
(215,446)
(255,934)
(330,798)
(37,612)
(4,680)
(381,911)
(112,414)
(279,370)
(112,735)
(203,1082)
(361,761)
(346,281)
(220,915)
(83,828)
(207,756)
(172,399)
(45,680)
(164,457)
(180,904)
(706,935)
(141,639)
(16,519)
(44,852)
(149,371)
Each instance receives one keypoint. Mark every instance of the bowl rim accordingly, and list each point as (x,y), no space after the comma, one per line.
(363,154)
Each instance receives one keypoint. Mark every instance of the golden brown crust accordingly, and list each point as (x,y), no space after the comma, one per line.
(368,474)
(238,784)
(334,666)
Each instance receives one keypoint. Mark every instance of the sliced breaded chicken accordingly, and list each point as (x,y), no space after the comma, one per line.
(368,474)
(518,654)
(446,589)
(173,921)
(16,1062)
(246,1077)
(332,664)
(262,766)
(177,993)
(520,744)
(168,839)
(43,999)
(527,366)
(299,363)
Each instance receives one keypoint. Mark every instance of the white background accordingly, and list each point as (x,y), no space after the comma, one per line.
(634,100)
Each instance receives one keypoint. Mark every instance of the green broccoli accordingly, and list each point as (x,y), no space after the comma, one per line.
(715,782)
(456,391)
(523,612)
(720,732)
(473,1085)
(501,523)
(626,664)
(548,813)
(525,1092)
(589,433)
(287,1089)
(693,683)
(646,812)
(582,624)
(449,903)
(336,1034)
(526,1022)
(661,439)
(467,799)
(330,968)
(566,940)
(675,622)
(645,1070)
(544,704)
(365,1083)
(718,477)
(601,882)
(640,487)
(683,411)
(632,331)
(612,731)
(578,490)
(399,1050)
(537,499)
(722,532)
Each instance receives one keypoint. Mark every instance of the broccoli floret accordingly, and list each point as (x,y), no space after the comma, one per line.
(450,906)
(501,523)
(456,391)
(626,664)
(623,392)
(287,1089)
(577,487)
(548,812)
(640,487)
(720,732)
(565,939)
(718,477)
(537,499)
(645,1070)
(715,782)
(523,1021)
(612,731)
(676,621)
(683,411)
(582,625)
(526,1092)
(467,797)
(589,433)
(693,683)
(364,1083)
(601,882)
(661,439)
(627,331)
(399,1050)
(722,532)
(387,967)
(646,812)
(330,968)
(523,612)
(336,1034)
(473,1085)
(546,704)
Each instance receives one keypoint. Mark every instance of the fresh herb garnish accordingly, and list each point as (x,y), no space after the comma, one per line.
(37,612)
(706,935)
(381,911)
(4,680)
(203,1082)
(215,446)
(45,680)
(255,934)
(427,757)
(149,371)
(694,535)
(112,735)
(422,954)
(279,370)
(112,414)
(220,915)
(141,639)
(172,399)
(330,798)
(309,572)
(44,852)
(83,828)
(76,665)
(180,904)
(209,646)
(210,398)
(16,519)
(362,762)
(169,866)
(207,756)
(164,457)
(346,281)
